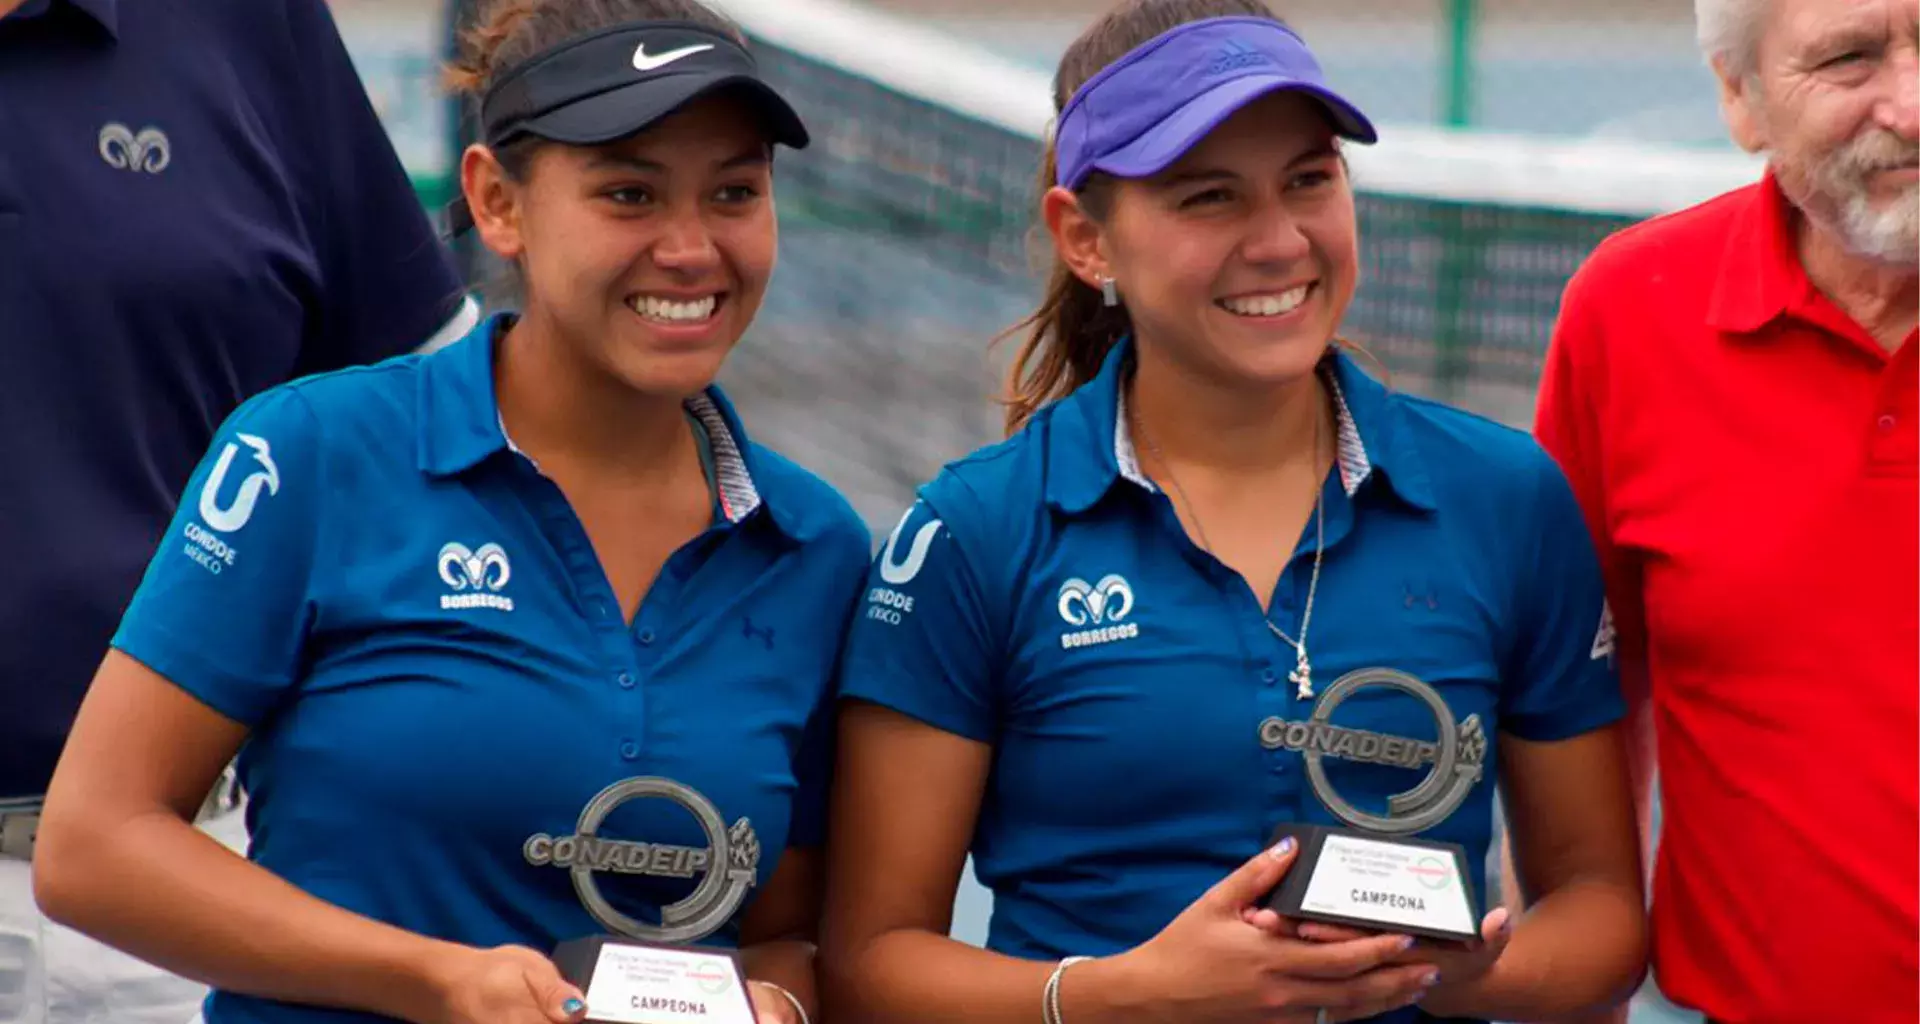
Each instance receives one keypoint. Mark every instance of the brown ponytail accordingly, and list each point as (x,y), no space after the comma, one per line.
(1069,336)
(469,73)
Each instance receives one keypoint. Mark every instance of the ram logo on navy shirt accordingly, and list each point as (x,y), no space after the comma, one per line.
(148,151)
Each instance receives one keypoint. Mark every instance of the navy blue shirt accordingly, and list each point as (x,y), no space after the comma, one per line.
(196,202)
(1042,597)
(452,729)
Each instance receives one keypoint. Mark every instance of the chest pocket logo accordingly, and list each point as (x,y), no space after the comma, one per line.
(475,576)
(1107,601)
(1100,607)
(232,517)
(148,152)
(462,569)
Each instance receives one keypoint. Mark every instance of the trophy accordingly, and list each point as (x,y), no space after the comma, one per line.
(1375,874)
(641,973)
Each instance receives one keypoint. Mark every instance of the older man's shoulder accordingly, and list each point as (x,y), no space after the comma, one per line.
(1686,243)
(283,36)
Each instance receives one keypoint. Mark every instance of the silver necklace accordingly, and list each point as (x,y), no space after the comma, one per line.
(1302,674)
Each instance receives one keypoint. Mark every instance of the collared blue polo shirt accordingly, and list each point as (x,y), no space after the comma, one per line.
(1041,596)
(196,203)
(453,730)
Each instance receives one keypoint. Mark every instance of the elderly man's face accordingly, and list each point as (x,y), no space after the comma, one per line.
(1835,100)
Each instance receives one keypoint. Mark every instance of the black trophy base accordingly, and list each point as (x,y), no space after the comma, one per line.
(1438,904)
(681,982)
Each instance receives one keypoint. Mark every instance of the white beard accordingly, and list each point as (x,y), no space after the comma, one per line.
(1887,231)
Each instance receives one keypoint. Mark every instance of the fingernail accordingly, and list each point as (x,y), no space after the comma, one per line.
(572,1006)
(1406,943)
(1432,979)
(1281,848)
(1506,923)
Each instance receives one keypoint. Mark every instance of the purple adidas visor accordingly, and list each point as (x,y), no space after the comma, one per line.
(1144,111)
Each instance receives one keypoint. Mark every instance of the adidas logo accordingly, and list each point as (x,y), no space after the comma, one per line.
(1235,56)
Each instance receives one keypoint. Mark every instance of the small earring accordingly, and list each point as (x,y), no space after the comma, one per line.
(1108,293)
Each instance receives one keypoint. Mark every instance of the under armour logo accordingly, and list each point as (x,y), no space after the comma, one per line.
(148,152)
(1419,594)
(747,630)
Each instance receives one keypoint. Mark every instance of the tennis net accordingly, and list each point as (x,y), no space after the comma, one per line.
(908,243)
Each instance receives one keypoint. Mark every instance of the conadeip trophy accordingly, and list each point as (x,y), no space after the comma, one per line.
(1375,873)
(641,973)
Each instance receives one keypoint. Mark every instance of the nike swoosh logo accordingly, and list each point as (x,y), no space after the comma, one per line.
(642,62)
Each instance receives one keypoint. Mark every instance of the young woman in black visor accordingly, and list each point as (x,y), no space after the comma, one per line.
(521,641)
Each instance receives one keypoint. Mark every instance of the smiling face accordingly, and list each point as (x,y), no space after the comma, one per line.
(1239,261)
(649,257)
(1835,102)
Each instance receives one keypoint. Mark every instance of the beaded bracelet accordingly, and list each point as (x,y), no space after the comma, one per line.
(1050,999)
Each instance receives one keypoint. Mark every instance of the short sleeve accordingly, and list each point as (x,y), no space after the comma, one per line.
(224,609)
(388,283)
(920,642)
(1561,679)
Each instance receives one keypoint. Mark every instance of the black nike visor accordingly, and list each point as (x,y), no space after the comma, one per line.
(617,82)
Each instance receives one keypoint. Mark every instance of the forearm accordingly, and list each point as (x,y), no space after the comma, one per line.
(787,963)
(1582,948)
(160,889)
(932,979)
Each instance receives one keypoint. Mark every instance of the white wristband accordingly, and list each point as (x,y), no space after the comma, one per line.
(1050,998)
(790,997)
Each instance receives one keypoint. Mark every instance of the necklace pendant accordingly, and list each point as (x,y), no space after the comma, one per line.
(1302,677)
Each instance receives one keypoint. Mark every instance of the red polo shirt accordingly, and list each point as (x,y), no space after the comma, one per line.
(1746,455)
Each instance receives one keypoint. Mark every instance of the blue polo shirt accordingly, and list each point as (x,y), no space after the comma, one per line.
(196,202)
(452,729)
(1041,597)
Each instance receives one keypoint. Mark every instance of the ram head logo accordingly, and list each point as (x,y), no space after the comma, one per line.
(486,568)
(1106,601)
(149,151)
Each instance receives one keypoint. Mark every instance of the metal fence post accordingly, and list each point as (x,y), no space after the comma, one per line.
(1461,247)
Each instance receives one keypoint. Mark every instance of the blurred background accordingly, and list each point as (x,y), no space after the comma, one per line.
(1623,69)
(1516,134)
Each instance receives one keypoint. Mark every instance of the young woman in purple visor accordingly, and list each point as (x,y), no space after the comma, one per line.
(1220,581)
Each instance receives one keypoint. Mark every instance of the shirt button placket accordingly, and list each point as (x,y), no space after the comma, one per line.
(639,651)
(1272,699)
